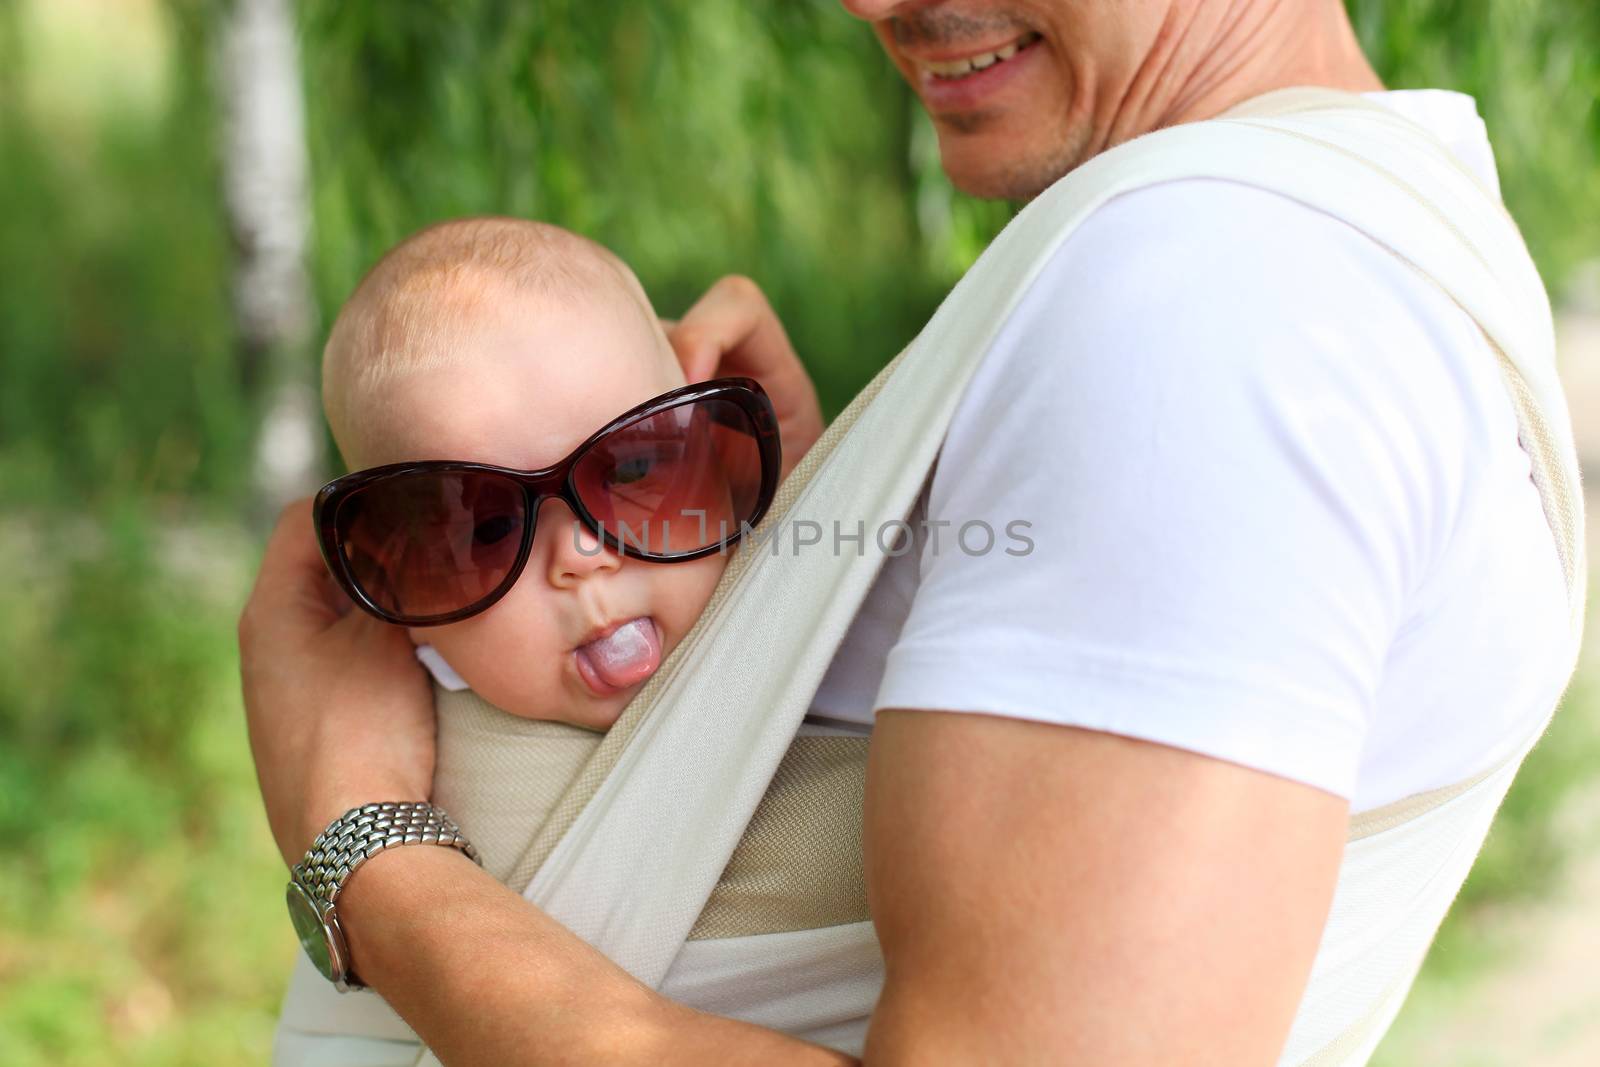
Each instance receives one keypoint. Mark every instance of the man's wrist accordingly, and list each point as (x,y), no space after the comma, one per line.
(386,888)
(360,832)
(317,882)
(319,814)
(390,905)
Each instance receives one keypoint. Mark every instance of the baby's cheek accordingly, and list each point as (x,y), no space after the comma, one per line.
(513,667)
(685,595)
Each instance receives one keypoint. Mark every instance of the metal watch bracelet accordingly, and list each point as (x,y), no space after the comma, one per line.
(349,841)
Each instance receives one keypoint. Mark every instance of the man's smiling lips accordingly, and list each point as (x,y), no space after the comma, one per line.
(950,80)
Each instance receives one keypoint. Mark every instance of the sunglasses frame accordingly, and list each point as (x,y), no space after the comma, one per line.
(555,480)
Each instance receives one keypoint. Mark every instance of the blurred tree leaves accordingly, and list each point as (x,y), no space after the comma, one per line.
(1534,67)
(772,140)
(117,372)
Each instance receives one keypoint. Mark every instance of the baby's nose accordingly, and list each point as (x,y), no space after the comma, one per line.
(571,550)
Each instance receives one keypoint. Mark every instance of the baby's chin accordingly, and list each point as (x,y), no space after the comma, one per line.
(590,713)
(599,715)
(575,703)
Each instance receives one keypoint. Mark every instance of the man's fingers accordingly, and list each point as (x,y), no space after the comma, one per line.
(292,588)
(699,345)
(732,315)
(732,330)
(696,356)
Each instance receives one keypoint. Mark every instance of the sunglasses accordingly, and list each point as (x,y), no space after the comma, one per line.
(676,478)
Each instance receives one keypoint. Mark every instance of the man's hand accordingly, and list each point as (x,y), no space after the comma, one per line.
(338,708)
(732,330)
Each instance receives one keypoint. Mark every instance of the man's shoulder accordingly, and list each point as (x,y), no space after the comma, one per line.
(1239,276)
(1205,236)
(1215,323)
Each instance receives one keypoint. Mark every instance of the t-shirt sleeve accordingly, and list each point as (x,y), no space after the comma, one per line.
(1202,447)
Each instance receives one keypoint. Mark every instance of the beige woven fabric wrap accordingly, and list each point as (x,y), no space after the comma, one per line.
(634,854)
(798,865)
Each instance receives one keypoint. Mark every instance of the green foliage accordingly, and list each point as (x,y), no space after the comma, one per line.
(719,137)
(1534,67)
(139,907)
(114,332)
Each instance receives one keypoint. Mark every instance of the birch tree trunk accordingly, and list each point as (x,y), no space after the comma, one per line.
(265,184)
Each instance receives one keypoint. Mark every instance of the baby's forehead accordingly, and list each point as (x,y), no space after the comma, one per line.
(466,292)
(585,330)
(528,381)
(468,316)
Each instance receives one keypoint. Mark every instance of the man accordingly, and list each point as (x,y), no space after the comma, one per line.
(1273,479)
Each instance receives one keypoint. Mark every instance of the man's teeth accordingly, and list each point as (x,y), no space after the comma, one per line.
(960,68)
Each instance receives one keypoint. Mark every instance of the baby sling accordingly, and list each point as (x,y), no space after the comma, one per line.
(716,855)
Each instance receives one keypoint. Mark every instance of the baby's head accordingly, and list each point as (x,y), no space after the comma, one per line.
(509,342)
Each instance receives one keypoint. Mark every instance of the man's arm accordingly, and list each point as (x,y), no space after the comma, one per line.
(484,977)
(340,714)
(1046,894)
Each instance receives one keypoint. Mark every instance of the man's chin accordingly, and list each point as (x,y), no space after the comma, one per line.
(989,166)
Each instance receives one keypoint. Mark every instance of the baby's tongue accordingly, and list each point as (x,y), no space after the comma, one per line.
(627,655)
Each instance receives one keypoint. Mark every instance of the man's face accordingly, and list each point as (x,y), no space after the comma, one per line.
(1020,91)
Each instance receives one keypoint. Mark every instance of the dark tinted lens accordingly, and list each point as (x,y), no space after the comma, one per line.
(429,544)
(675,481)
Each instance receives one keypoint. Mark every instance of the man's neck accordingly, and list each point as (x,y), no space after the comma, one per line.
(1211,56)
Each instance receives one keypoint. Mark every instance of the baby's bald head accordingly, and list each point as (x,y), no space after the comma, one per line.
(425,303)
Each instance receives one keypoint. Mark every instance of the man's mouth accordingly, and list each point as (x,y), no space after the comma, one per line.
(956,69)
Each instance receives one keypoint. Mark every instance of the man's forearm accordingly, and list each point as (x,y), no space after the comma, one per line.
(484,977)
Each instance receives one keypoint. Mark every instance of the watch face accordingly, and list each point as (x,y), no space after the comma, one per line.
(308,927)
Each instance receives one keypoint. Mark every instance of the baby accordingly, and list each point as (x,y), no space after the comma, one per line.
(509,343)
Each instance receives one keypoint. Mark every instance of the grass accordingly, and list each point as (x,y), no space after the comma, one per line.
(140,907)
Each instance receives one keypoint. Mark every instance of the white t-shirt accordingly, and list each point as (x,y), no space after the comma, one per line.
(1278,511)
(1275,507)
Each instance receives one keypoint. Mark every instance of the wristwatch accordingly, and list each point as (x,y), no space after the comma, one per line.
(347,843)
